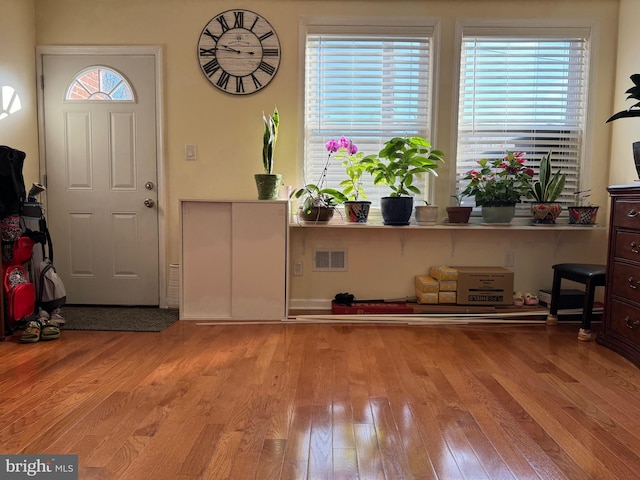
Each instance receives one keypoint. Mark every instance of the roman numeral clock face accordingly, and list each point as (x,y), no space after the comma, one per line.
(239,52)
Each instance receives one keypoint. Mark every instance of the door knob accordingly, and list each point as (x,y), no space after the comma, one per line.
(149,203)
(148,185)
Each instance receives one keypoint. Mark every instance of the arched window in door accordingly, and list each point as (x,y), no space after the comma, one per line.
(100,83)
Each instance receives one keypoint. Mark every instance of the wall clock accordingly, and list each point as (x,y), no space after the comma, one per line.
(239,52)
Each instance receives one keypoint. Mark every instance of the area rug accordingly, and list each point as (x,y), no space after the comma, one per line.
(126,319)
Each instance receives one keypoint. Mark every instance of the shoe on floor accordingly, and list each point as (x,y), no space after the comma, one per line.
(57,318)
(518,299)
(50,330)
(530,299)
(32,331)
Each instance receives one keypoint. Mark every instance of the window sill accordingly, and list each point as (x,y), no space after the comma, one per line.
(518,224)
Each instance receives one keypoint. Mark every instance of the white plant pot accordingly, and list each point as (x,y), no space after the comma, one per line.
(426,214)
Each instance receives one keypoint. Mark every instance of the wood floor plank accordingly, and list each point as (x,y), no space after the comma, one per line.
(315,401)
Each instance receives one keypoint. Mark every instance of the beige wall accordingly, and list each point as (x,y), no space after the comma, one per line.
(627,130)
(17,70)
(227,129)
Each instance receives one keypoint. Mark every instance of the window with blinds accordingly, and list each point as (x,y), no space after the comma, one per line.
(523,90)
(369,84)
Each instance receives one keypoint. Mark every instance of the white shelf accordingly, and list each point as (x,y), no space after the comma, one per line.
(565,227)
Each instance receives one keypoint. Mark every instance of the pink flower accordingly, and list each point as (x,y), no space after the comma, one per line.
(332,146)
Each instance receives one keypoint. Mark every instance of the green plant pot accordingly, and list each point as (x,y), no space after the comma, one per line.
(502,214)
(268,185)
(396,211)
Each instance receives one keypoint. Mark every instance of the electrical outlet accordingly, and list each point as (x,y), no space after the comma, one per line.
(190,152)
(509,258)
(297,268)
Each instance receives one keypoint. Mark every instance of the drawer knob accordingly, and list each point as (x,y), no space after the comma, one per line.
(632,324)
(633,283)
(634,247)
(632,213)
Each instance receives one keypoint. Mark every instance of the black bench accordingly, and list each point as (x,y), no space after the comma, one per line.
(591,276)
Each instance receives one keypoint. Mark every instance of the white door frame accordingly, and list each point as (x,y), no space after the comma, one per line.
(156,51)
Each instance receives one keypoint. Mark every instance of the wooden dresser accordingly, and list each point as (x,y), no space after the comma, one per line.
(621,328)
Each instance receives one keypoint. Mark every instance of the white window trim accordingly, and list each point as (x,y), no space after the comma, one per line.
(543,27)
(365,24)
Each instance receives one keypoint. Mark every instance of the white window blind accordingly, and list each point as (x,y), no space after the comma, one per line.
(523,91)
(369,87)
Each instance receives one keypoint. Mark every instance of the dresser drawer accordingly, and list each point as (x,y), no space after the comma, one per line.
(626,281)
(624,321)
(628,246)
(626,214)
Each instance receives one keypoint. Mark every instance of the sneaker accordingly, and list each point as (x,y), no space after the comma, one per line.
(57,318)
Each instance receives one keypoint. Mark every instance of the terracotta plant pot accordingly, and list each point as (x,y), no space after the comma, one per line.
(459,214)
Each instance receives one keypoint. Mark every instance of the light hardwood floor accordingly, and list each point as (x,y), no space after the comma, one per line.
(302,401)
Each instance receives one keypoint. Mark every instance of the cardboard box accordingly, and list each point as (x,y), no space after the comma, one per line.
(447,297)
(484,286)
(448,285)
(443,273)
(426,284)
(569,298)
(427,298)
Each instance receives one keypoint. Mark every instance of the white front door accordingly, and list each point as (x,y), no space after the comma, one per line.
(101,176)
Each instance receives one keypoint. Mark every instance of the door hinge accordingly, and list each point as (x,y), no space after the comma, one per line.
(42,82)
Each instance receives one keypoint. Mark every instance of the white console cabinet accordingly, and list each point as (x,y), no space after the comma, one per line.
(234,260)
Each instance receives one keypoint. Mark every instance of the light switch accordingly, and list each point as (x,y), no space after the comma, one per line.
(190,152)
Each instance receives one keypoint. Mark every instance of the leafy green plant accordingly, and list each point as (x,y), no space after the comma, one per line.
(457,199)
(634,93)
(499,182)
(316,196)
(549,186)
(269,139)
(400,161)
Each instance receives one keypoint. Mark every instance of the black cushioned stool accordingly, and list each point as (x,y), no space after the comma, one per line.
(591,276)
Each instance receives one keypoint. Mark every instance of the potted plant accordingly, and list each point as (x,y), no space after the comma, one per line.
(356,206)
(633,111)
(397,164)
(268,183)
(457,213)
(426,214)
(498,185)
(545,191)
(318,201)
(582,214)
